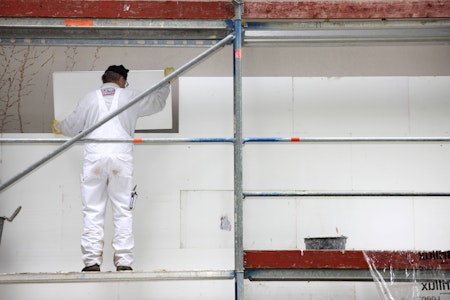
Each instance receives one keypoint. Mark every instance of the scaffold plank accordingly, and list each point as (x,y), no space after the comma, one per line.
(79,277)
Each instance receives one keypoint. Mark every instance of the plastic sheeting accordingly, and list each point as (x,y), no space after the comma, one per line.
(424,276)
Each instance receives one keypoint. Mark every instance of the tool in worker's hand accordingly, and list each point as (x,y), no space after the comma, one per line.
(10,219)
(133,198)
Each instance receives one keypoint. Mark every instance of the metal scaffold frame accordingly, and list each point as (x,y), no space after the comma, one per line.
(256,33)
(238,273)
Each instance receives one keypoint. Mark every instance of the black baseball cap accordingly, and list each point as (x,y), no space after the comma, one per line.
(119,70)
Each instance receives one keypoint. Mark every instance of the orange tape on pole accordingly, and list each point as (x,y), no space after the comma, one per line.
(79,23)
(238,53)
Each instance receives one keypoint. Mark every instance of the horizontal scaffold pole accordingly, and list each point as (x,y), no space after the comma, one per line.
(231,140)
(344,139)
(228,39)
(136,141)
(346,194)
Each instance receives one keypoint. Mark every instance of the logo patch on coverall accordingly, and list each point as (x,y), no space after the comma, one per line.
(108,91)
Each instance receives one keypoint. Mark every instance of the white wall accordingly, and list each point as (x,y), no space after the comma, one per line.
(185,190)
(27,95)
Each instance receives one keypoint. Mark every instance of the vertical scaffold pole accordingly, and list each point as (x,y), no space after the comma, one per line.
(238,189)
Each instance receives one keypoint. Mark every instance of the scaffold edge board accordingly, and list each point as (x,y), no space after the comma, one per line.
(253,9)
(78,277)
(345,259)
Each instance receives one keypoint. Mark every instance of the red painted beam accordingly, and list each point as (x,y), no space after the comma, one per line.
(147,9)
(253,9)
(349,259)
(347,9)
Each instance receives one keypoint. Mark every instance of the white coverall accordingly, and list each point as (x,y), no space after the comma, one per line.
(108,167)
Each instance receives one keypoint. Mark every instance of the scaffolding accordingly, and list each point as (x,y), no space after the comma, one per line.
(23,31)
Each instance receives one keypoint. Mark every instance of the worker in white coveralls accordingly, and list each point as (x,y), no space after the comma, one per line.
(108,167)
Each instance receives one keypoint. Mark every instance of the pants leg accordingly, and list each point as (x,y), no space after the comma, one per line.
(94,199)
(119,191)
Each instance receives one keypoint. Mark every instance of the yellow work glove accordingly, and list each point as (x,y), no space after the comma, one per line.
(168,70)
(54,130)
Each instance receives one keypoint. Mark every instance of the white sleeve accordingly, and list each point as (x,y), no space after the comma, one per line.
(155,102)
(74,123)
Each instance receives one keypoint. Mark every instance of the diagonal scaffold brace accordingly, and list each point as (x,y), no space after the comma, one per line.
(175,74)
